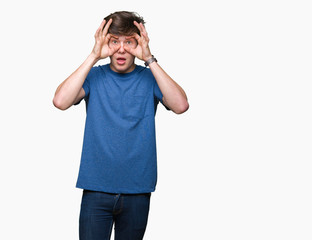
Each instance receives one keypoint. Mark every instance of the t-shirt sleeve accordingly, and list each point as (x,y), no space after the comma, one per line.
(158,94)
(86,88)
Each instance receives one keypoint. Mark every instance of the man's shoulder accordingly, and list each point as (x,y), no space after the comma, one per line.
(146,72)
(98,68)
(96,72)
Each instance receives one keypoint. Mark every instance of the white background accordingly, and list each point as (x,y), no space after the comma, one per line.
(236,165)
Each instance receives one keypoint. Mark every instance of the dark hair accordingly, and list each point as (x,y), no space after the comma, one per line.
(123,23)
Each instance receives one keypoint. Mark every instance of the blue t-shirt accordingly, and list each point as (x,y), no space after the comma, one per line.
(119,146)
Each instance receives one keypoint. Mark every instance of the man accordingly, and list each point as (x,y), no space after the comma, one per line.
(118,167)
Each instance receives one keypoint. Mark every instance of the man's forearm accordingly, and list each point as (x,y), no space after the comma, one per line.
(68,90)
(174,96)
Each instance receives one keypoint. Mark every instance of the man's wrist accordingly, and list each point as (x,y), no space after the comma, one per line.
(147,58)
(93,58)
(150,60)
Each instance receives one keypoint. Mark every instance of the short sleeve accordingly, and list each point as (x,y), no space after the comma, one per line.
(158,94)
(86,88)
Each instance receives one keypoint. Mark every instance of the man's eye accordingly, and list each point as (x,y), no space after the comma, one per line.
(114,41)
(129,42)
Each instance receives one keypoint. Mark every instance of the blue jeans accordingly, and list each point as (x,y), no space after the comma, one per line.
(99,211)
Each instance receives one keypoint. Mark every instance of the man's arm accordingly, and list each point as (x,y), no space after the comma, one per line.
(174,96)
(70,91)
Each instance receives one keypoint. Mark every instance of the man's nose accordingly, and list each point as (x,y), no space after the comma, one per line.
(121,49)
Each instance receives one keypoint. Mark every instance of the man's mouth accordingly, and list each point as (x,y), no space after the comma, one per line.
(121,60)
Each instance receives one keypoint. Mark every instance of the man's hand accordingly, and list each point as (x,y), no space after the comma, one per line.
(142,50)
(101,47)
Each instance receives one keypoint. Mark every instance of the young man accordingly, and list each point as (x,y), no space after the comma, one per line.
(118,167)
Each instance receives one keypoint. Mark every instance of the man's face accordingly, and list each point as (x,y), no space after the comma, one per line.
(122,61)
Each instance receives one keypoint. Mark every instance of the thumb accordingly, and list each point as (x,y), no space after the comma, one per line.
(129,50)
(113,50)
